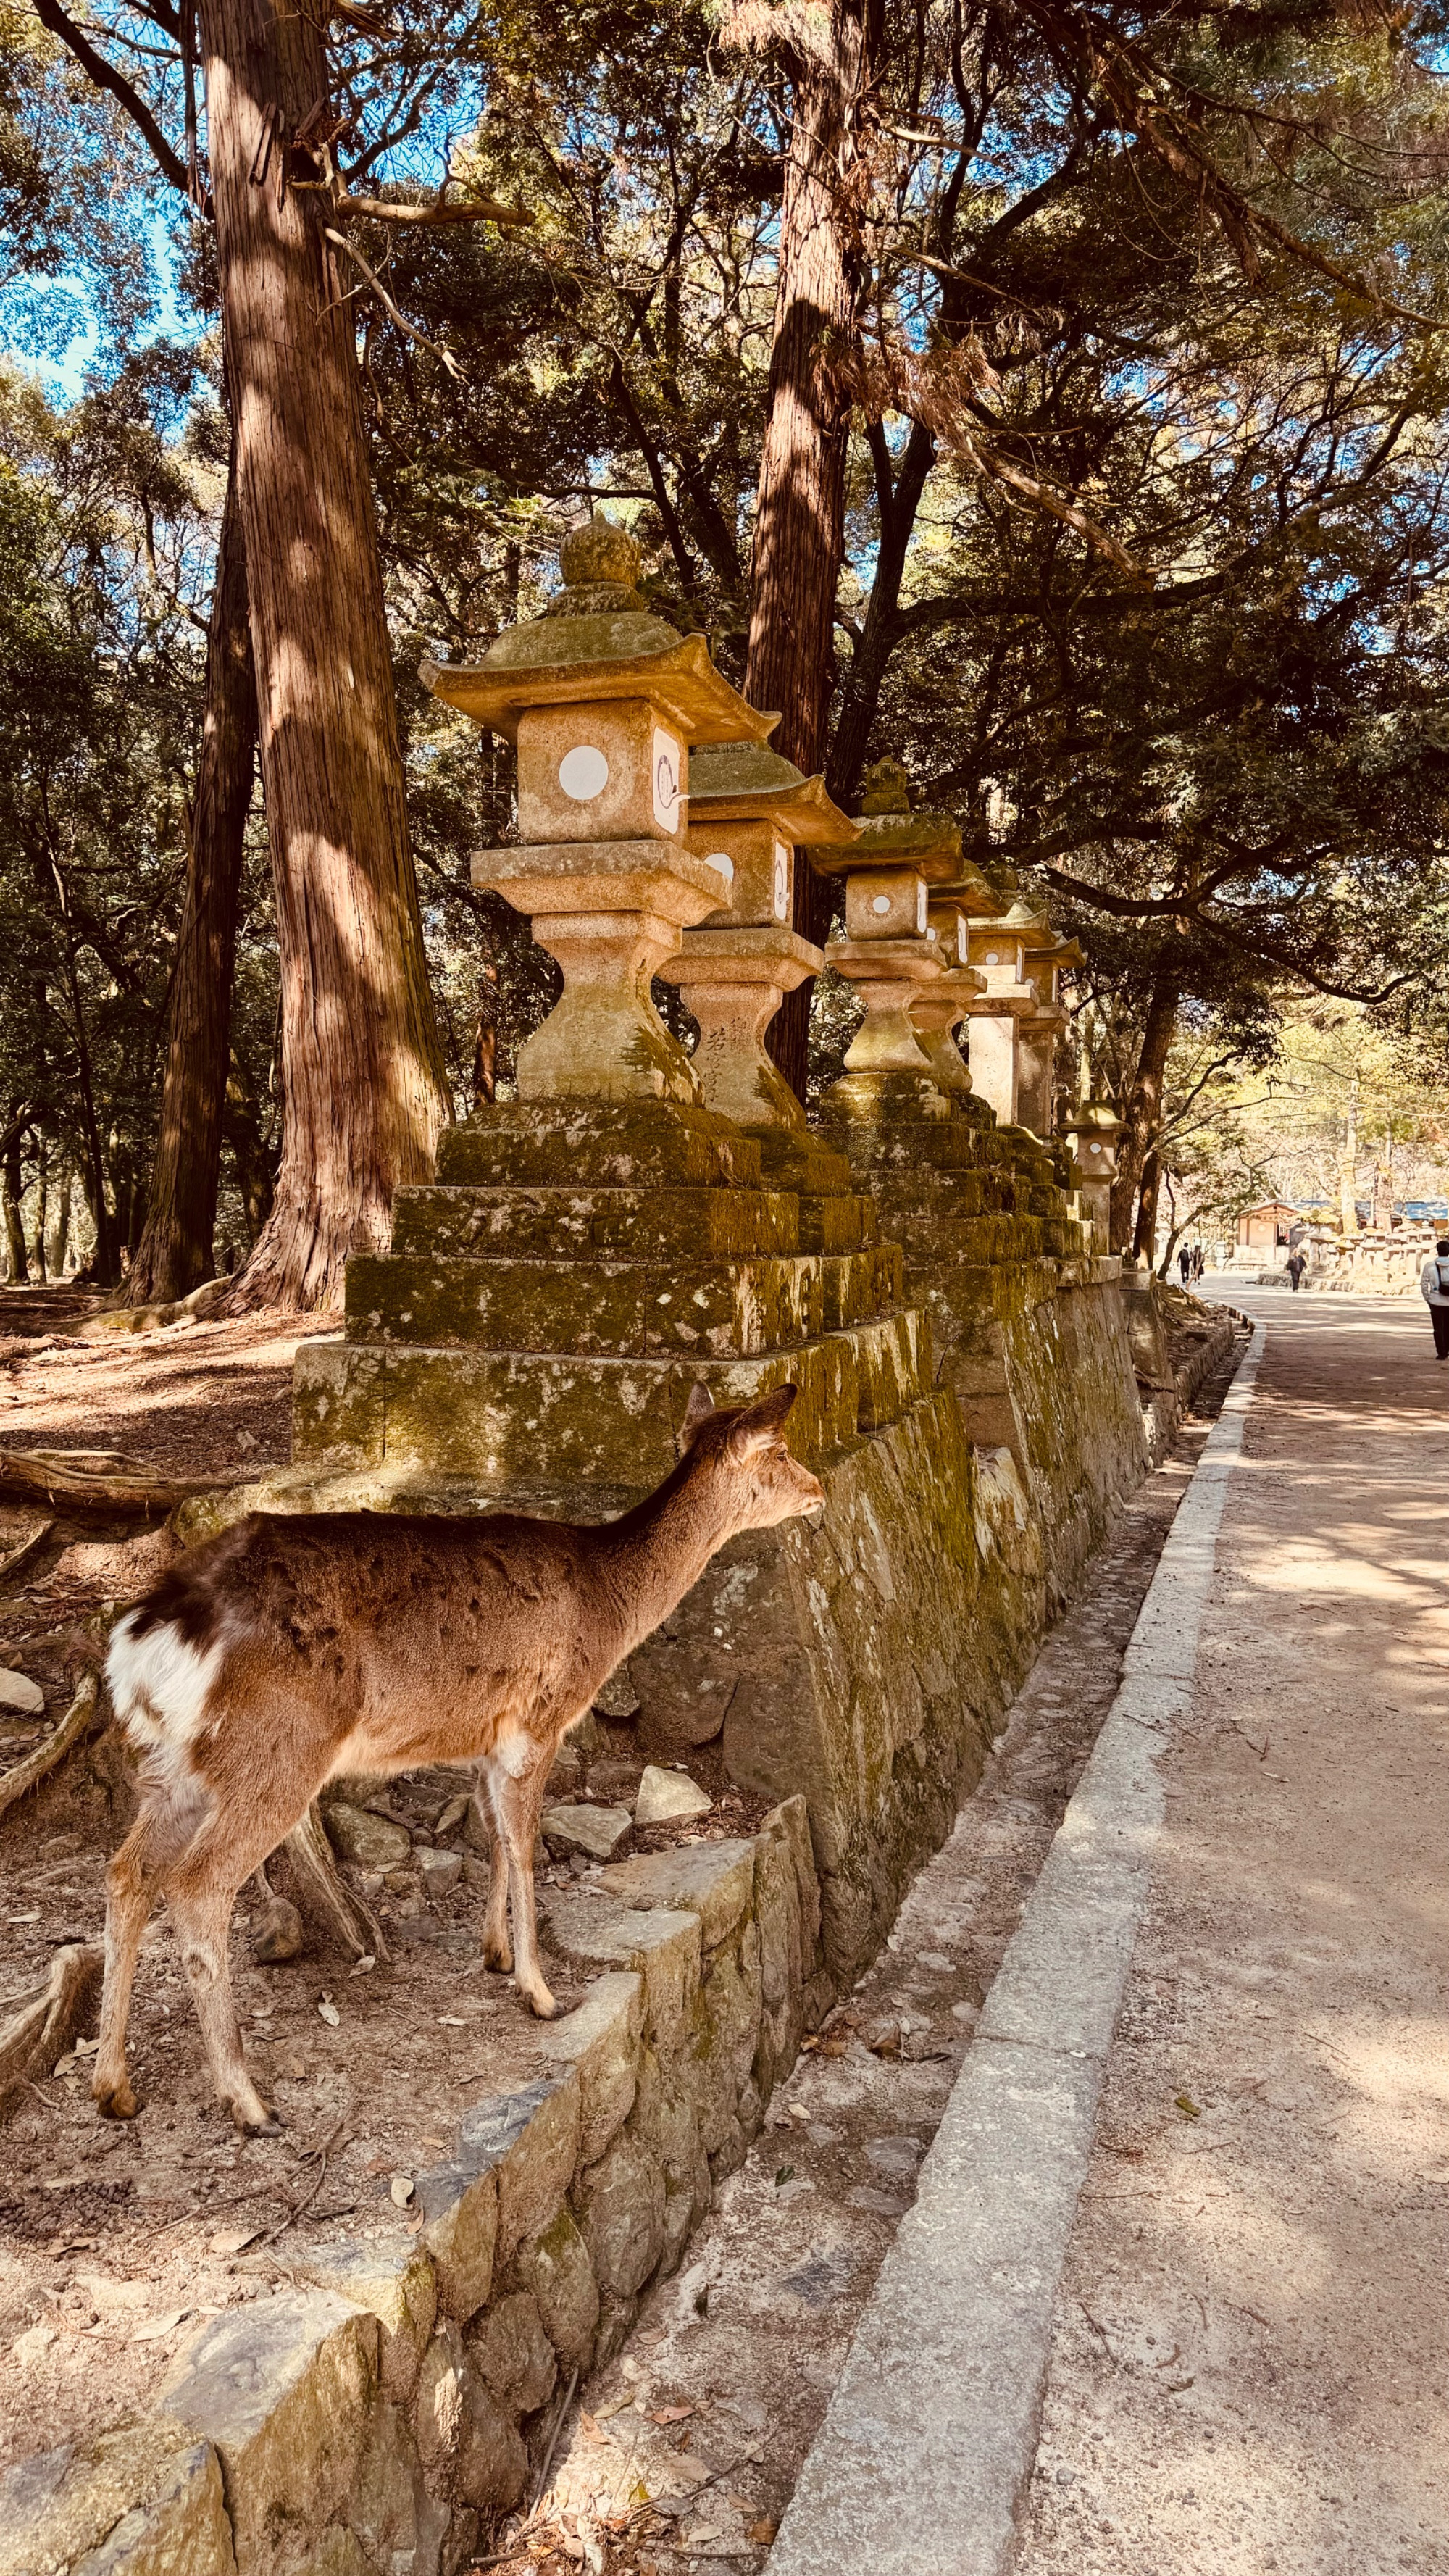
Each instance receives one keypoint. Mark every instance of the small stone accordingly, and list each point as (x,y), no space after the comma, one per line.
(596,1831)
(882,2204)
(666,1795)
(32,2345)
(453,1815)
(936,1961)
(279,1934)
(967,2013)
(20,1695)
(894,2156)
(358,1835)
(441,1870)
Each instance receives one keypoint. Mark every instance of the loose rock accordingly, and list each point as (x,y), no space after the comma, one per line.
(20,1695)
(441,1870)
(360,1836)
(667,1795)
(596,1831)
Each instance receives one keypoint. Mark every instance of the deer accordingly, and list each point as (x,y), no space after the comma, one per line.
(294,1647)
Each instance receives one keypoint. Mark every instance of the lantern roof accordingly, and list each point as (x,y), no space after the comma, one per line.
(891,836)
(598,640)
(742,782)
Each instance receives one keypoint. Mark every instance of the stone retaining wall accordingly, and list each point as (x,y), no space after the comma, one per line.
(366,2420)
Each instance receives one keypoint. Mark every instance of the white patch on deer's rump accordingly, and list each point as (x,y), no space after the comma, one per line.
(160,1686)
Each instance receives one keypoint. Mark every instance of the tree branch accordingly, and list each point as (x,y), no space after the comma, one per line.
(54,19)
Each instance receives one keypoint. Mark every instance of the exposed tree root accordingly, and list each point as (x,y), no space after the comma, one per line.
(47,2022)
(21,1555)
(54,1474)
(333,1908)
(76,1723)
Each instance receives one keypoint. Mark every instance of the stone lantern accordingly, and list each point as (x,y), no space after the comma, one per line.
(748,811)
(1092,1133)
(998,951)
(604,703)
(889,951)
(1047,958)
(938,1009)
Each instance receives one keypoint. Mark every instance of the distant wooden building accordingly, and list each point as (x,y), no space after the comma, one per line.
(1267,1226)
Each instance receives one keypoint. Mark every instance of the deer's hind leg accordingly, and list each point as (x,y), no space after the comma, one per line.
(200,1893)
(160,1834)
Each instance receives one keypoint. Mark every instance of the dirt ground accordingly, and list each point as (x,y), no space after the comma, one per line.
(716,2401)
(1251,2360)
(114,2240)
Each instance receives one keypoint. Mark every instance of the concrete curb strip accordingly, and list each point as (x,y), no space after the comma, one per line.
(924,2455)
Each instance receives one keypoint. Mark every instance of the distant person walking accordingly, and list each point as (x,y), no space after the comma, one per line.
(1199,1261)
(1434,1289)
(1297,1264)
(1184,1263)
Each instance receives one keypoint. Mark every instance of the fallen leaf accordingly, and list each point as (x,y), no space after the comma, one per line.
(327,2011)
(1175,2387)
(784,2175)
(233,2240)
(701,2538)
(361,1966)
(762,2533)
(156,2327)
(670,2414)
(400,2190)
(1184,2103)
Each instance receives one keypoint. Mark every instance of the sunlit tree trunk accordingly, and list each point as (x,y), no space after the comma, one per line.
(1348,1167)
(800,512)
(174,1254)
(364,1091)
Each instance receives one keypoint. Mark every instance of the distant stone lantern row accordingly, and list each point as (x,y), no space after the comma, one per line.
(660,836)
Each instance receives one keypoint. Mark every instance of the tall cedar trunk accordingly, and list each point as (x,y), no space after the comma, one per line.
(362,1066)
(1145,1236)
(11,1188)
(1144,1109)
(174,1254)
(800,514)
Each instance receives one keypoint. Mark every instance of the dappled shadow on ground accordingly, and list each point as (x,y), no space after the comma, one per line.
(1252,2358)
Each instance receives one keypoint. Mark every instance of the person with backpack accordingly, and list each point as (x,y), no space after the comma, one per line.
(1434,1289)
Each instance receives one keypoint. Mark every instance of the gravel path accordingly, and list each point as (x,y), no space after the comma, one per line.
(1250,2365)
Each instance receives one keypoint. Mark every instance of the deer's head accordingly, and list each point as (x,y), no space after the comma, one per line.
(742,1447)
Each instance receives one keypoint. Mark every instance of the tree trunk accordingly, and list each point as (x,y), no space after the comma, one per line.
(363,1069)
(800,512)
(1348,1167)
(11,1191)
(174,1254)
(1144,1109)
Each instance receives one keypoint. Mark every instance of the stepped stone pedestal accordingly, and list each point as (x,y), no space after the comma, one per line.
(1027,1329)
(592,1249)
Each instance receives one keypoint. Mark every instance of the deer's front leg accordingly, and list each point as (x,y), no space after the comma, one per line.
(497,1952)
(518,1803)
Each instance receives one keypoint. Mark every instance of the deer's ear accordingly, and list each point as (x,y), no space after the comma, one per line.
(696,1412)
(757,1424)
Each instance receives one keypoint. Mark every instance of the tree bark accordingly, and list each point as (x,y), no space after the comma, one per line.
(11,1189)
(363,1072)
(800,511)
(174,1254)
(1143,1117)
(1348,1164)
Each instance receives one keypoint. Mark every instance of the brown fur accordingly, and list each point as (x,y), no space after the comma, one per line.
(374,1642)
